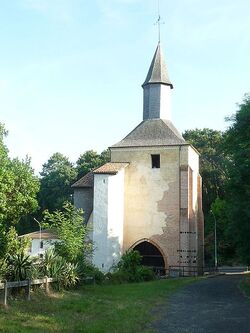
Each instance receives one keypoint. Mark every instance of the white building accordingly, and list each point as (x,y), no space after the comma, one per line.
(40,242)
(148,197)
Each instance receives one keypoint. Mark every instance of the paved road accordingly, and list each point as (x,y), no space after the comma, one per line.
(213,305)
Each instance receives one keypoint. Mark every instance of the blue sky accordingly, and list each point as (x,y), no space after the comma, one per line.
(71,70)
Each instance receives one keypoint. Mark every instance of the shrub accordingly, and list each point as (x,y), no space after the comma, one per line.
(57,267)
(20,267)
(68,277)
(88,270)
(3,269)
(129,269)
(72,232)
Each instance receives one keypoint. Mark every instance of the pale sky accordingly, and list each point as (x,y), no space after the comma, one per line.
(71,70)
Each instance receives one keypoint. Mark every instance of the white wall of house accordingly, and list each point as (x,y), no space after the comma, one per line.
(108,216)
(36,250)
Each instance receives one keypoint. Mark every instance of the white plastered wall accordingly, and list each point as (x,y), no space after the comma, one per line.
(36,250)
(108,216)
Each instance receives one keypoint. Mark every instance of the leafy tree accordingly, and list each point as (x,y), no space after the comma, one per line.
(18,187)
(213,162)
(56,178)
(237,146)
(69,226)
(225,246)
(91,160)
(209,142)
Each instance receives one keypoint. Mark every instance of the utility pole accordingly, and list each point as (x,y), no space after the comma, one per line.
(40,234)
(215,241)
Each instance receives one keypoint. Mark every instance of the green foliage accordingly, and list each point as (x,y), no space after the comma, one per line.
(129,261)
(225,246)
(20,266)
(18,186)
(88,270)
(209,143)
(213,169)
(245,285)
(91,160)
(69,275)
(14,263)
(57,267)
(56,178)
(123,308)
(237,146)
(12,244)
(129,269)
(69,226)
(3,269)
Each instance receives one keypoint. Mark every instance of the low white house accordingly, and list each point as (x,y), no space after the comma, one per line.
(41,241)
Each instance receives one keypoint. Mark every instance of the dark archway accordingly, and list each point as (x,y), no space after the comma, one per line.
(151,256)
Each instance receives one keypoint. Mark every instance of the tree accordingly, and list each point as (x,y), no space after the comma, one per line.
(213,162)
(237,146)
(72,232)
(18,186)
(91,160)
(56,178)
(225,246)
(209,142)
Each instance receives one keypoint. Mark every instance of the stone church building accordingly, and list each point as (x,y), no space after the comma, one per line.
(148,197)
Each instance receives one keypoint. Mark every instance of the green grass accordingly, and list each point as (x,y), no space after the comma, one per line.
(122,308)
(245,285)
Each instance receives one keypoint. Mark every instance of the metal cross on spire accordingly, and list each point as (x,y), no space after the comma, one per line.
(159,22)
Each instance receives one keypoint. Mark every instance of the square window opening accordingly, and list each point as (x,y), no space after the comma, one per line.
(156,162)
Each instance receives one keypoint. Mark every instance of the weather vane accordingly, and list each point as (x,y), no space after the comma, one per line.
(159,22)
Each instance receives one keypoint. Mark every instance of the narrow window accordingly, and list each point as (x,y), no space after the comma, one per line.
(41,245)
(155,161)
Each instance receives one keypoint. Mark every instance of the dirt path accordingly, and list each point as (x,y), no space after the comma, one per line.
(212,305)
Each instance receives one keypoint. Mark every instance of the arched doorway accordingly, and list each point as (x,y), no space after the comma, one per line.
(151,256)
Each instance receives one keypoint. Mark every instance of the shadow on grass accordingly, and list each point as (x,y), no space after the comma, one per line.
(121,308)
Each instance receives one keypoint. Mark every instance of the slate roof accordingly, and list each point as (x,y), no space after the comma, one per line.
(111,168)
(152,132)
(85,181)
(158,70)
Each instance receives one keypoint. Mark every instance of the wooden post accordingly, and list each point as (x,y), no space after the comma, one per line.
(5,293)
(28,289)
(46,285)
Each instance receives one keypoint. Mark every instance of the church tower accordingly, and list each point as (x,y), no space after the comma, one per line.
(157,89)
(148,198)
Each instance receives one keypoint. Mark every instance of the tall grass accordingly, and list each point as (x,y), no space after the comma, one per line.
(122,308)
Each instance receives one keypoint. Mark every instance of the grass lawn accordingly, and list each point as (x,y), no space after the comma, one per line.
(93,309)
(245,285)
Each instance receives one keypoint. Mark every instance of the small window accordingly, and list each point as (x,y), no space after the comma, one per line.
(41,245)
(155,161)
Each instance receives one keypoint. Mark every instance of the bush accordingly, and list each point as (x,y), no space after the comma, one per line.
(88,270)
(20,267)
(129,269)
(57,267)
(3,269)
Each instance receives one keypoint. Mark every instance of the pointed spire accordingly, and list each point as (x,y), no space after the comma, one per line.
(158,70)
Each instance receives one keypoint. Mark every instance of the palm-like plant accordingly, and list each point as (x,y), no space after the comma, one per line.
(57,267)
(20,266)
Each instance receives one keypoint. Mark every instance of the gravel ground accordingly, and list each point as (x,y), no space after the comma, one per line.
(210,305)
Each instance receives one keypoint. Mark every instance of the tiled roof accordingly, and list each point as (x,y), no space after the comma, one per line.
(111,168)
(85,181)
(158,70)
(45,234)
(152,132)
